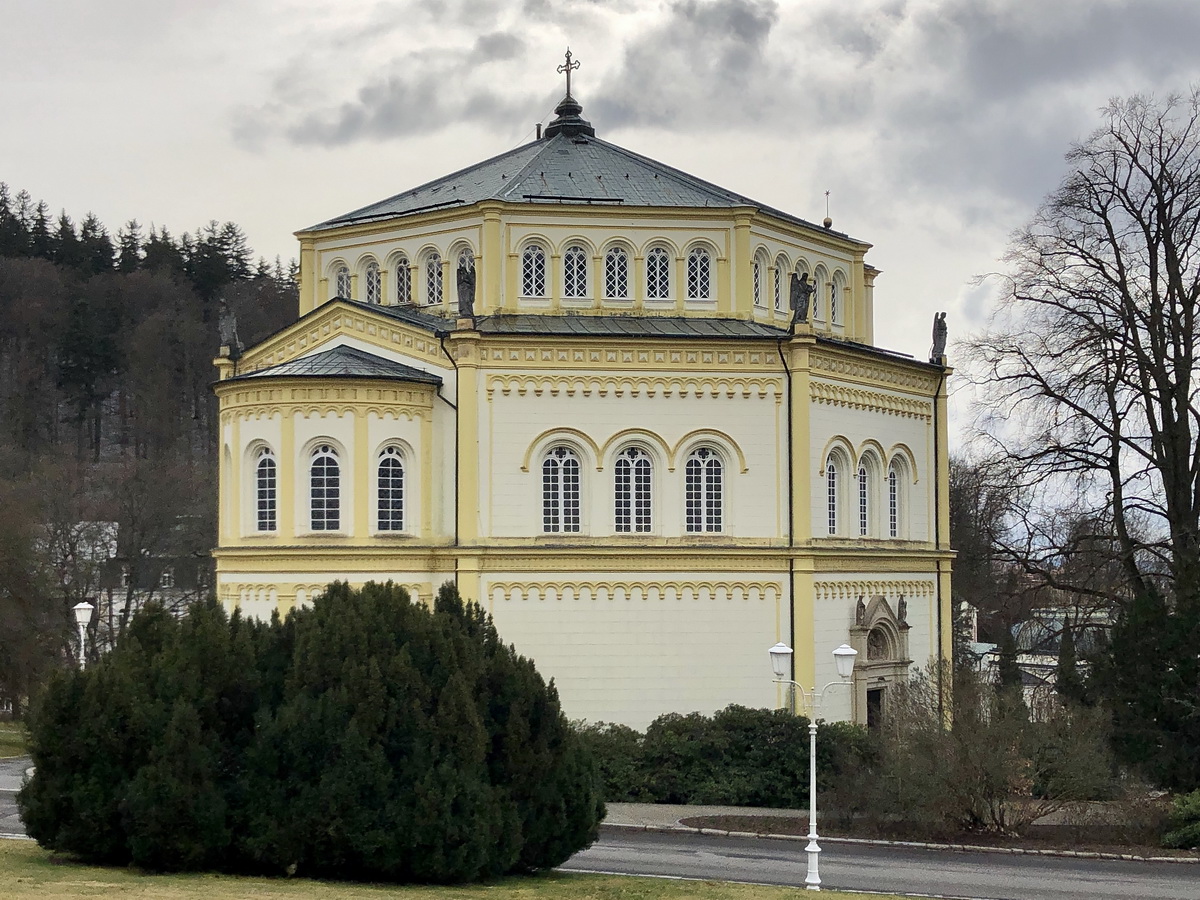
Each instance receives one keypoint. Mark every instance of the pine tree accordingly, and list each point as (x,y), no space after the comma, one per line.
(129,247)
(14,238)
(96,246)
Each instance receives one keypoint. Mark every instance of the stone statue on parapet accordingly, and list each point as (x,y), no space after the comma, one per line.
(938,350)
(800,295)
(466,290)
(227,326)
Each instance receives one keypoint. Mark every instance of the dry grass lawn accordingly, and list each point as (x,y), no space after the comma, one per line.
(28,872)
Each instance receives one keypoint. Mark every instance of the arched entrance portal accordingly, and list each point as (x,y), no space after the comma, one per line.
(880,635)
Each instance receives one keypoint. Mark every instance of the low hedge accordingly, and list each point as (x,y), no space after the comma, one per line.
(738,756)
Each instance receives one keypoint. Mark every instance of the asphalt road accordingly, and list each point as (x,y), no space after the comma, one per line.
(994,876)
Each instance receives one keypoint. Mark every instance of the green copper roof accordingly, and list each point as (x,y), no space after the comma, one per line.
(343,362)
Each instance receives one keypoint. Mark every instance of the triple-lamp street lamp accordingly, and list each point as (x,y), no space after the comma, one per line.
(83,615)
(843,657)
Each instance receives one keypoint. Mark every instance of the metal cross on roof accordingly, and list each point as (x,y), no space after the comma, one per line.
(567,67)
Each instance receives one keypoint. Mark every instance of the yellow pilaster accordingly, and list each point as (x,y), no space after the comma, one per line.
(800,442)
(362,476)
(289,465)
(235,524)
(868,326)
(354,293)
(426,529)
(856,302)
(743,286)
(465,347)
(638,283)
(491,266)
(308,277)
(942,464)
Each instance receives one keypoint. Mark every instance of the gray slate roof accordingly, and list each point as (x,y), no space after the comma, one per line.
(565,168)
(343,362)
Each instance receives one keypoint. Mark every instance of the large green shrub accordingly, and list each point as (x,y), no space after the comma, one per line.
(1184,823)
(365,737)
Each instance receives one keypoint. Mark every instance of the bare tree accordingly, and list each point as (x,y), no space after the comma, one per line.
(1087,374)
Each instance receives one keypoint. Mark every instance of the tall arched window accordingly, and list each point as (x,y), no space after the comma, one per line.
(342,282)
(560,491)
(699,274)
(831,491)
(758,281)
(634,483)
(433,279)
(704,490)
(575,280)
(390,490)
(781,268)
(466,258)
(403,280)
(266,483)
(533,272)
(864,499)
(893,502)
(325,490)
(373,286)
(658,274)
(616,274)
(835,303)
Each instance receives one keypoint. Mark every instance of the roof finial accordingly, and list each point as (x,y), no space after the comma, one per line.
(567,67)
(828,223)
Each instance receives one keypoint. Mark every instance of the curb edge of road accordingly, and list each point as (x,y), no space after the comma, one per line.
(915,845)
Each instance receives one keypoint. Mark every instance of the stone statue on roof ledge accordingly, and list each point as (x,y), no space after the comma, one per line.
(466,290)
(938,351)
(801,291)
(227,326)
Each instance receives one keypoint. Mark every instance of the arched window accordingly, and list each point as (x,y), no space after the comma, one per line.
(390,490)
(533,271)
(893,502)
(758,280)
(634,477)
(781,267)
(560,491)
(704,489)
(699,274)
(658,274)
(433,279)
(466,258)
(864,499)
(403,280)
(266,484)
(342,282)
(835,303)
(575,273)
(325,490)
(831,489)
(616,274)
(373,286)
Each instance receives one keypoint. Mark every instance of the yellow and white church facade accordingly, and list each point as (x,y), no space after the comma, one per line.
(571,379)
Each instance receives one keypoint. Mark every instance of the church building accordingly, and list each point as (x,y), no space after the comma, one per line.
(640,418)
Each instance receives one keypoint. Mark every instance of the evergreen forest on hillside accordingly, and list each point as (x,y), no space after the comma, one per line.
(108,431)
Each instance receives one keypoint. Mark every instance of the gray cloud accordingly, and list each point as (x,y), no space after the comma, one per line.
(698,64)
(499,45)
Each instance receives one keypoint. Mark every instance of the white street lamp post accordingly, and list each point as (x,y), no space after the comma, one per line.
(83,615)
(843,658)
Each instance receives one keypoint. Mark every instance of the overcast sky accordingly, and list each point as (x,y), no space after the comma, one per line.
(936,125)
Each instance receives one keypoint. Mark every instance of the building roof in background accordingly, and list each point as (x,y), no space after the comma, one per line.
(342,362)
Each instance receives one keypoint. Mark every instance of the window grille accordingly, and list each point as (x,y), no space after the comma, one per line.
(699,264)
(466,258)
(893,504)
(325,502)
(758,286)
(658,274)
(342,282)
(831,487)
(703,491)
(403,280)
(266,482)
(780,268)
(616,274)
(433,279)
(575,272)
(864,493)
(560,491)
(533,272)
(835,305)
(373,283)
(390,490)
(634,474)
